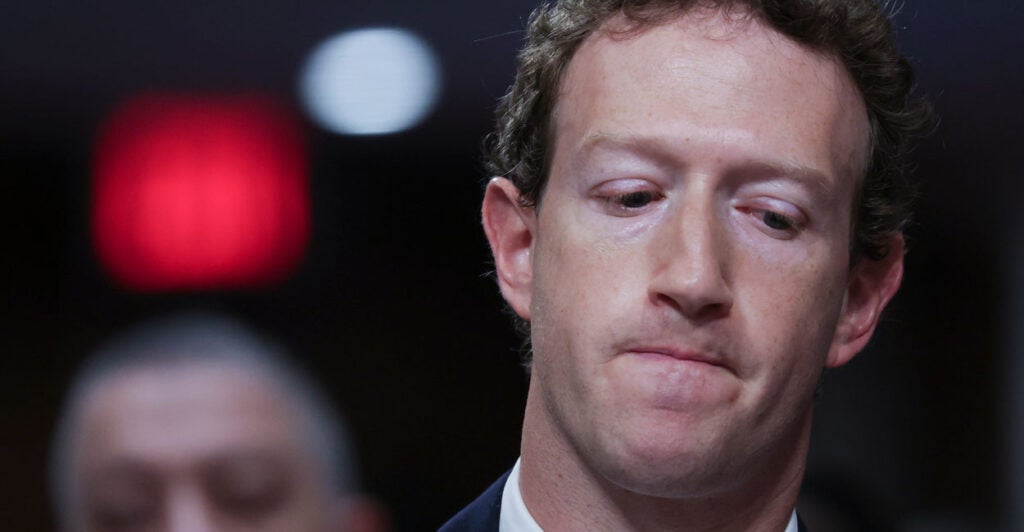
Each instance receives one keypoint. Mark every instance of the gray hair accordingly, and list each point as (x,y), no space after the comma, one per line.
(193,339)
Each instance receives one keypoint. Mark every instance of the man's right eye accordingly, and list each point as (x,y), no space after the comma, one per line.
(123,516)
(123,499)
(626,197)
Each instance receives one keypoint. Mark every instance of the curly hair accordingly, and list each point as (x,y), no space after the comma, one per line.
(857,32)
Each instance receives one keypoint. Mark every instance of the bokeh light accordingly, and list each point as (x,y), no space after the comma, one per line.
(370,82)
(197,192)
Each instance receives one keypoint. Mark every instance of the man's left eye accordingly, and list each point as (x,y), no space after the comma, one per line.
(635,200)
(777,221)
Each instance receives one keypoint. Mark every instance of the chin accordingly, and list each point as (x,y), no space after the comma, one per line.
(667,467)
(687,481)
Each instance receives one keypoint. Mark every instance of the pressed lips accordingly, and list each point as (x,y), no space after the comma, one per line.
(683,355)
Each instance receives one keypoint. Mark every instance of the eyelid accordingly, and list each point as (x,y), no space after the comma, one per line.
(614,187)
(610,197)
(780,207)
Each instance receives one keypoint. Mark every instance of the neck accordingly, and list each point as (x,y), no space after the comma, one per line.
(563,493)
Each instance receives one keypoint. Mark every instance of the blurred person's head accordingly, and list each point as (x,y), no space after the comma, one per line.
(194,424)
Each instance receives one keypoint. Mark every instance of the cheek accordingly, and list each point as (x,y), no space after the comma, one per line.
(793,277)
(581,286)
(580,279)
(797,307)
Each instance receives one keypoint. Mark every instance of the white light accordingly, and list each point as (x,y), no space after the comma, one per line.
(370,82)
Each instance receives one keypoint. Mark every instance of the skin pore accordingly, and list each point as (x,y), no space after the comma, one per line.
(686,276)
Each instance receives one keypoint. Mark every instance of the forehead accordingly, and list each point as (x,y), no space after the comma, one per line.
(726,76)
(176,416)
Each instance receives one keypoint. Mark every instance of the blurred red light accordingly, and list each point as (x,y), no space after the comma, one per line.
(200,193)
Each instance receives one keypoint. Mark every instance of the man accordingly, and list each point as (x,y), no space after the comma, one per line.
(699,208)
(194,424)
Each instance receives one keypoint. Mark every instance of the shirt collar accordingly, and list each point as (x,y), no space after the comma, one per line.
(514,515)
(516,518)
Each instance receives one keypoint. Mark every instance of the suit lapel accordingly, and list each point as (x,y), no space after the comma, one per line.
(483,514)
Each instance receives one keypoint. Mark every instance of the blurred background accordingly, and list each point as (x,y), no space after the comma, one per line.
(370,263)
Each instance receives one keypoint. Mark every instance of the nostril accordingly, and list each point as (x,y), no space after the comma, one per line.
(712,312)
(695,305)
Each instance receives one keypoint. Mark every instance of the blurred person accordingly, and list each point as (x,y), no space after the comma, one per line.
(698,208)
(195,424)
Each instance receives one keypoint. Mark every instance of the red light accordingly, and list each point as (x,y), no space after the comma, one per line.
(200,192)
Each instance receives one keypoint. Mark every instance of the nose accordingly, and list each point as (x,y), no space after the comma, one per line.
(188,511)
(691,263)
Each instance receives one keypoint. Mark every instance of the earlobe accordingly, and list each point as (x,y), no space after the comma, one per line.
(510,228)
(871,286)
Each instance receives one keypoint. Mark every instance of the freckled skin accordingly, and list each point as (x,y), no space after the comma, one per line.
(717,121)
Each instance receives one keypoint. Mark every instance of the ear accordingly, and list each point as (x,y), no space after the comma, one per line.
(871,285)
(510,229)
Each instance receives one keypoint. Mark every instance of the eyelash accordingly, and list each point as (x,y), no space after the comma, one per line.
(645,196)
(768,217)
(630,203)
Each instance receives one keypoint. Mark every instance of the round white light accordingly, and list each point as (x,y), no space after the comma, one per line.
(370,82)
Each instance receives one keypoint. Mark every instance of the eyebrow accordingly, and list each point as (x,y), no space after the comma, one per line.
(632,143)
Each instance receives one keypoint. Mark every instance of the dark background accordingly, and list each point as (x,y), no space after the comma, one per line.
(393,308)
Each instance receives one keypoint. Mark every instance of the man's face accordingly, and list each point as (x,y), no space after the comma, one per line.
(686,273)
(194,448)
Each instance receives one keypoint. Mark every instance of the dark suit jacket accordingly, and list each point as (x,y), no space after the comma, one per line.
(483,514)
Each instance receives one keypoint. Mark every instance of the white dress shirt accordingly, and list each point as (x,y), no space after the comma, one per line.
(515,517)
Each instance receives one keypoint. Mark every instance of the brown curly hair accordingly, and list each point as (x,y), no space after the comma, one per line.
(858,32)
